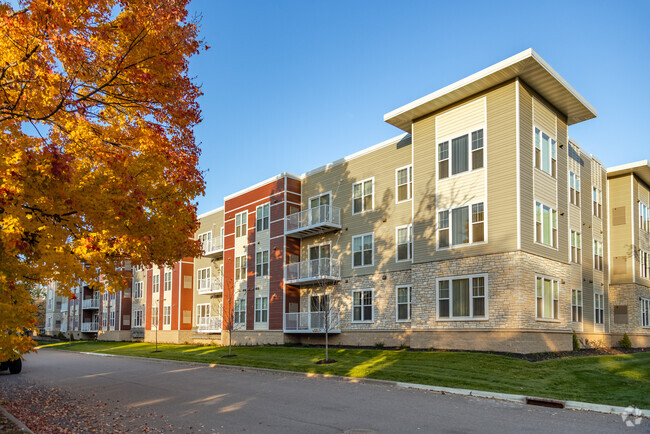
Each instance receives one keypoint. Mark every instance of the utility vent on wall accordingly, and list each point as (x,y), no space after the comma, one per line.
(620,314)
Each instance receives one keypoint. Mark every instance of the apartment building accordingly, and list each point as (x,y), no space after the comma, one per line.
(56,311)
(482,226)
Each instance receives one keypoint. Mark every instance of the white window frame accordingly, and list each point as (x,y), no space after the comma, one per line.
(553,149)
(597,202)
(261,309)
(644,259)
(362,236)
(577,306)
(241,304)
(575,237)
(167,282)
(243,223)
(112,318)
(362,305)
(155,283)
(167,315)
(202,308)
(244,274)
(138,290)
(601,308)
(263,215)
(470,153)
(409,243)
(363,182)
(598,253)
(205,237)
(155,316)
(409,303)
(645,313)
(554,235)
(574,189)
(201,280)
(260,270)
(409,183)
(138,318)
(555,315)
(471,316)
(470,221)
(644,217)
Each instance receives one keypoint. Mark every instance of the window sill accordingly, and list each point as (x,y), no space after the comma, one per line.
(550,246)
(458,175)
(464,318)
(557,321)
(403,201)
(461,246)
(363,212)
(403,321)
(545,173)
(363,266)
(363,322)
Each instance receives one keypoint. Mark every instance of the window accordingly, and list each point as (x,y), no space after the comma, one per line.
(168,280)
(545,225)
(644,217)
(155,284)
(262,263)
(645,264)
(203,278)
(262,216)
(362,250)
(597,198)
(362,196)
(112,318)
(404,243)
(576,247)
(403,303)
(362,305)
(477,149)
(240,267)
(645,312)
(462,297)
(599,308)
(459,225)
(138,318)
(241,220)
(574,190)
(404,180)
(598,255)
(240,311)
(460,153)
(167,315)
(154,316)
(261,309)
(545,153)
(206,241)
(137,290)
(202,313)
(548,298)
(576,305)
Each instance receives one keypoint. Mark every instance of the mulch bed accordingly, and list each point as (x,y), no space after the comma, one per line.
(47,410)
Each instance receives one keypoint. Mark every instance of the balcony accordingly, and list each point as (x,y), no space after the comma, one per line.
(90,303)
(90,327)
(209,324)
(312,322)
(210,286)
(313,221)
(213,248)
(315,271)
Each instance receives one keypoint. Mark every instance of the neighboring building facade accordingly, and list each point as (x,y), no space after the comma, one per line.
(482,227)
(56,311)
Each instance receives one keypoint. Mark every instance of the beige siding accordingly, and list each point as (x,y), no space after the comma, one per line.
(210,223)
(386,215)
(621,216)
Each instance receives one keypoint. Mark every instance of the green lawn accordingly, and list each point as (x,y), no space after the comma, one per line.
(620,380)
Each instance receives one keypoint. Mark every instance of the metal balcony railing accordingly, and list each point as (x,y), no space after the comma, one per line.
(90,327)
(209,324)
(313,221)
(312,322)
(212,247)
(314,271)
(90,303)
(210,286)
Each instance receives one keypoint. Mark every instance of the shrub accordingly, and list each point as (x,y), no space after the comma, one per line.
(625,342)
(576,342)
(379,345)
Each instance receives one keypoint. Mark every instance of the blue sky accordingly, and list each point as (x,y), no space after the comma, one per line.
(292,85)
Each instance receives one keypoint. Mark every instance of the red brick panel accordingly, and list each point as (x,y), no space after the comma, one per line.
(125,309)
(259,193)
(277,228)
(250,285)
(277,211)
(293,198)
(149,288)
(174,296)
(276,275)
(187,294)
(294,185)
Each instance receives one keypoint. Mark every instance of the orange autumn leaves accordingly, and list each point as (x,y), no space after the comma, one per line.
(98,160)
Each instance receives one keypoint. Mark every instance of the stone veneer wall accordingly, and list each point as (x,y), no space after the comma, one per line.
(629,295)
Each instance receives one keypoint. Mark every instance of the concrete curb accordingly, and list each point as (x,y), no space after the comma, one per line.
(21,426)
(520,399)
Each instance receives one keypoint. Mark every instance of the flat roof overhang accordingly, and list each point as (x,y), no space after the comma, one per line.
(527,65)
(641,169)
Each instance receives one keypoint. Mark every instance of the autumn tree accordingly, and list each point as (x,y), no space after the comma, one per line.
(98,160)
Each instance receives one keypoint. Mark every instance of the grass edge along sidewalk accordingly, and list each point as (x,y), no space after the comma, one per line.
(614,380)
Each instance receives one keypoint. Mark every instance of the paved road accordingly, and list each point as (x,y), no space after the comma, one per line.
(236,400)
